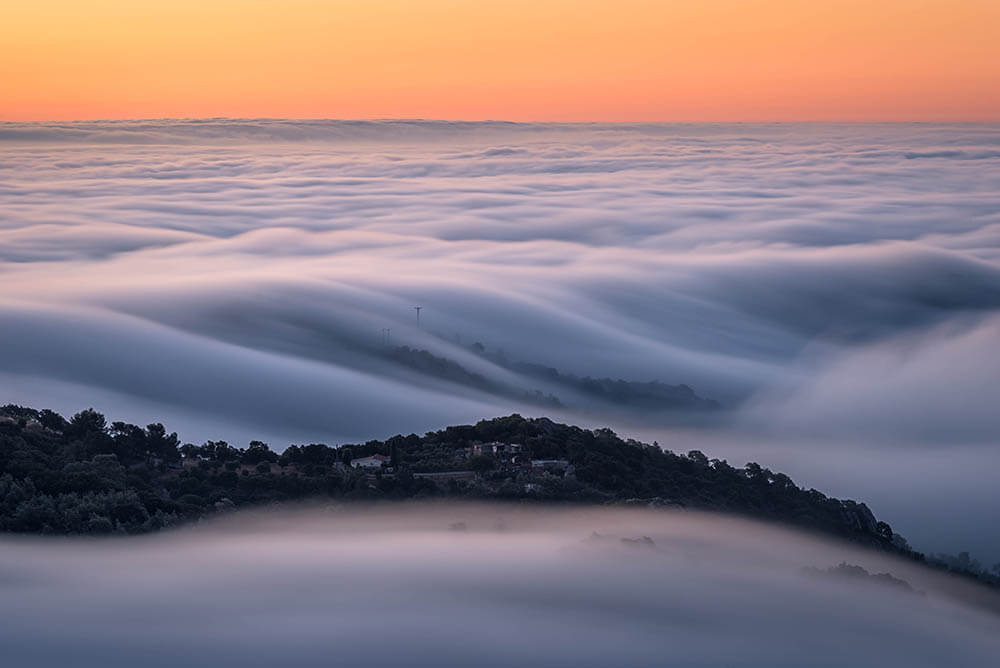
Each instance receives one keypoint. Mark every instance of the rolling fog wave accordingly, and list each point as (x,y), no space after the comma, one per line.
(832,287)
(478,585)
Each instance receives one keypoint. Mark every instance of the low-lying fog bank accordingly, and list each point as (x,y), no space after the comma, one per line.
(479,585)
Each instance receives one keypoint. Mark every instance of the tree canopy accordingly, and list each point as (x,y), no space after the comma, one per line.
(84,476)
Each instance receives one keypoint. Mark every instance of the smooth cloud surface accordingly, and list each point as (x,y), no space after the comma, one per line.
(838,284)
(514,587)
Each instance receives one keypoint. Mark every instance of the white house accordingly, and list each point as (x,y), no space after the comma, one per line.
(496,448)
(373,462)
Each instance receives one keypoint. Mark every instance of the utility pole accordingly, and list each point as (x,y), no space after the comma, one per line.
(417,309)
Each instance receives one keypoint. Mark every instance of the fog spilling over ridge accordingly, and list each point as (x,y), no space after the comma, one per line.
(833,289)
(493,586)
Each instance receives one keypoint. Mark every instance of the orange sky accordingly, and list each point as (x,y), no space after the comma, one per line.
(624,60)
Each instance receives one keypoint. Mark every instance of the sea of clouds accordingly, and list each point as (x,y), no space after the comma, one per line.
(479,586)
(835,287)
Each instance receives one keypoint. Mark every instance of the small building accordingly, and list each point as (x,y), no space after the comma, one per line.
(496,449)
(373,462)
(560,464)
(480,449)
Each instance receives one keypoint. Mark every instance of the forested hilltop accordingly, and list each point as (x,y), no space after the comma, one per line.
(85,476)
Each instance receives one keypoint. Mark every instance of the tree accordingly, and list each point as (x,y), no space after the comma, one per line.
(51,420)
(698,457)
(86,423)
(482,464)
(130,442)
(258,452)
(89,431)
(159,444)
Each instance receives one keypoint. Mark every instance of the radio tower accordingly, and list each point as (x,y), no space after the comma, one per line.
(417,309)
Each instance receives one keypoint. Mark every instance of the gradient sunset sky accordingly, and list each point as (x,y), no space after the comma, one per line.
(548,60)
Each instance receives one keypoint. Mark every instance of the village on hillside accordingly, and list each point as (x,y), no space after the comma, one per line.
(496,460)
(487,464)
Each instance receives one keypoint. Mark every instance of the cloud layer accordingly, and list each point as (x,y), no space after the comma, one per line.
(549,588)
(234,278)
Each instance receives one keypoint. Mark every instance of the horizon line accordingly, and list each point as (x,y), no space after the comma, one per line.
(423,119)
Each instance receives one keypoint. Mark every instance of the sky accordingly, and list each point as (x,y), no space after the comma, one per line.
(835,287)
(525,60)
